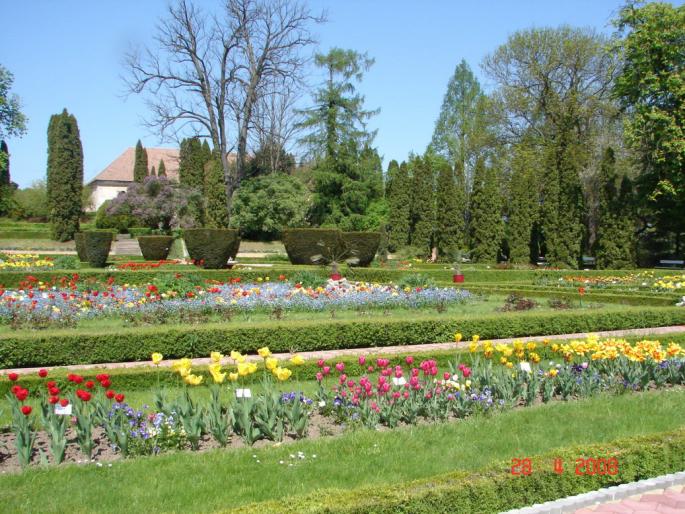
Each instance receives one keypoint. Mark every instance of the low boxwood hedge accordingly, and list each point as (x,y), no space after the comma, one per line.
(97,244)
(155,248)
(63,347)
(495,489)
(212,247)
(25,234)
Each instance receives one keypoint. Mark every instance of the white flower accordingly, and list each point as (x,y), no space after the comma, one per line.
(525,366)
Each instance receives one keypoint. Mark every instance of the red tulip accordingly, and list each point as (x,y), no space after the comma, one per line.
(54,391)
(101,377)
(90,384)
(106,383)
(42,373)
(26,410)
(446,375)
(13,376)
(22,394)
(78,379)
(53,399)
(119,398)
(64,402)
(51,383)
(110,394)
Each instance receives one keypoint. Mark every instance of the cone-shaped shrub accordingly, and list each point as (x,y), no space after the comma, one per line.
(302,244)
(80,247)
(155,248)
(97,244)
(212,247)
(362,245)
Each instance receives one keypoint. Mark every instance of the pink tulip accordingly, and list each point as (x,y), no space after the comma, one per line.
(398,373)
(466,371)
(343,378)
(405,394)
(396,395)
(319,377)
(409,360)
(326,370)
(321,363)
(362,360)
(370,369)
(340,367)
(350,384)
(446,375)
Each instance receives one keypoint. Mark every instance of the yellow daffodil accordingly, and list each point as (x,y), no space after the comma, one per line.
(264,352)
(271,363)
(216,356)
(296,360)
(157,358)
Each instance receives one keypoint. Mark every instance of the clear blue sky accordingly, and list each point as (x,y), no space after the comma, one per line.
(68,53)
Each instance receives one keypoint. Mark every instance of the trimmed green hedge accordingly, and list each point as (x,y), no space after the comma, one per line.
(63,347)
(25,234)
(212,246)
(155,248)
(301,244)
(139,231)
(495,489)
(97,244)
(79,241)
(365,244)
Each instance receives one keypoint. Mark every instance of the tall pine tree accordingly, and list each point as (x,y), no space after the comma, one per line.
(523,204)
(399,195)
(191,165)
(614,245)
(422,205)
(450,209)
(64,175)
(487,227)
(161,169)
(140,169)
(216,212)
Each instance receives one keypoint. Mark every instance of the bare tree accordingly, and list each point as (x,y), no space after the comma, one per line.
(209,70)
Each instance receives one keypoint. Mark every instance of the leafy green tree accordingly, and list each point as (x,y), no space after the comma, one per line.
(265,205)
(487,227)
(523,204)
(615,227)
(450,209)
(140,164)
(4,164)
(32,202)
(64,175)
(651,86)
(461,130)
(216,211)
(423,202)
(161,169)
(399,196)
(269,158)
(12,120)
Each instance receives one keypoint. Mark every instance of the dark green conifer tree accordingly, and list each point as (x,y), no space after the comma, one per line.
(450,209)
(216,211)
(64,175)
(423,202)
(140,164)
(4,164)
(523,205)
(487,227)
(161,169)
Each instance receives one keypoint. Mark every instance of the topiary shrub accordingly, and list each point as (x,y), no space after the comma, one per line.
(212,247)
(80,247)
(97,244)
(363,246)
(155,248)
(302,244)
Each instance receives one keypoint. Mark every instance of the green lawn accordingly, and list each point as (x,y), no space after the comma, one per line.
(223,479)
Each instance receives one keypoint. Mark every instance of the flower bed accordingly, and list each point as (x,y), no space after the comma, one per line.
(38,305)
(493,378)
(25,262)
(640,281)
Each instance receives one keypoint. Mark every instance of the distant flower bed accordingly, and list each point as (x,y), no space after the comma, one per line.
(646,281)
(25,262)
(35,303)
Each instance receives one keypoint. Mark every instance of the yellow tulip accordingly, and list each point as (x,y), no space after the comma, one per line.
(282,374)
(194,380)
(233,377)
(297,360)
(217,375)
(216,356)
(475,338)
(473,347)
(157,358)
(246,368)
(458,337)
(264,352)
(237,356)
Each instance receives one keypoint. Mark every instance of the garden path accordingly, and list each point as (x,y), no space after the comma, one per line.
(414,348)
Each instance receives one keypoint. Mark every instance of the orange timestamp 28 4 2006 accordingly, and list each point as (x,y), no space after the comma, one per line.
(590,466)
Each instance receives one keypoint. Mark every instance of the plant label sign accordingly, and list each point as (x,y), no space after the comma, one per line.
(63,411)
(399,381)
(243,393)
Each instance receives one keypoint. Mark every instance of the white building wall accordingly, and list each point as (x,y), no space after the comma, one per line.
(103,193)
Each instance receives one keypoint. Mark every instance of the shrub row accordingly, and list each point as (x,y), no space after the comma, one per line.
(496,489)
(63,347)
(25,234)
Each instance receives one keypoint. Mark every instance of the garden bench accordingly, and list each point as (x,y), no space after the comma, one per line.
(542,262)
(671,264)
(588,262)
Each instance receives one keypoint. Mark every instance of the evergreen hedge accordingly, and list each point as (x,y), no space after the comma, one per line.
(301,244)
(365,244)
(79,241)
(495,489)
(64,347)
(97,244)
(155,248)
(212,246)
